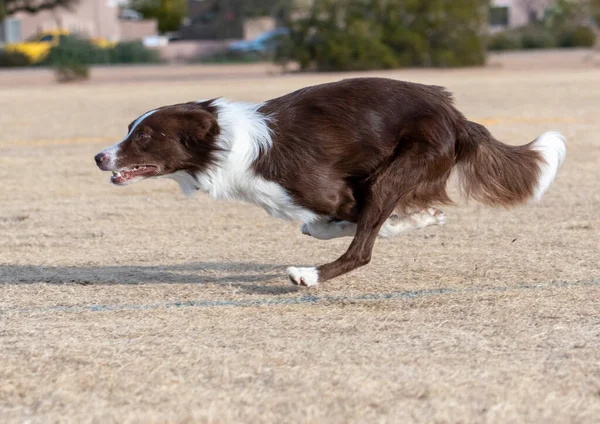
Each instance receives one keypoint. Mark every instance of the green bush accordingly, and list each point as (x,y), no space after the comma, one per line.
(358,48)
(132,52)
(13,59)
(226,57)
(562,26)
(71,72)
(461,49)
(168,13)
(580,36)
(77,50)
(541,37)
(537,37)
(352,35)
(503,41)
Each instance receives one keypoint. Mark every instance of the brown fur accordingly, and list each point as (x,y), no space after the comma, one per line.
(494,173)
(175,138)
(355,150)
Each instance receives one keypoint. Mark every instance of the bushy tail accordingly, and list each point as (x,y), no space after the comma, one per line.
(497,174)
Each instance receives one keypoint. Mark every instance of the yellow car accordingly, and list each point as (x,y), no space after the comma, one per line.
(103,43)
(38,46)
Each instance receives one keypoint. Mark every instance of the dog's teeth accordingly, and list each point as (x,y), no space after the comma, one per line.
(114,173)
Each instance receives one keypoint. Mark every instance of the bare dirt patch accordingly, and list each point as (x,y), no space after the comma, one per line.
(136,304)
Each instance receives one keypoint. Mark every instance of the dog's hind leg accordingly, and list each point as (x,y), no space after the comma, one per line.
(398,223)
(327,229)
(395,225)
(415,178)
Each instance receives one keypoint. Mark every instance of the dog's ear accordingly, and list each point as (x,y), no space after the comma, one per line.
(196,124)
(207,124)
(199,123)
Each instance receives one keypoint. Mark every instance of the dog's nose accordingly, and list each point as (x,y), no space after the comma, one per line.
(101,159)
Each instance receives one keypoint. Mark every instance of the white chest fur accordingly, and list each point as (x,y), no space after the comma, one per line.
(244,134)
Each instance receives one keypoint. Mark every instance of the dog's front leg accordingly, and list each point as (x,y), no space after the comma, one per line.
(380,204)
(357,255)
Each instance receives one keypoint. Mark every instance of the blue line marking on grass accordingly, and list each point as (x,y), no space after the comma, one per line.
(304,299)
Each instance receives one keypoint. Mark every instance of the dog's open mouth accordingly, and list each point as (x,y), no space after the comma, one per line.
(133,174)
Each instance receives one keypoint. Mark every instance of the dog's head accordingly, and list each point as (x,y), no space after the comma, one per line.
(163,142)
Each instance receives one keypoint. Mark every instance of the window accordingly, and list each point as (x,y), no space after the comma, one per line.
(499,16)
(10,30)
(532,16)
(46,39)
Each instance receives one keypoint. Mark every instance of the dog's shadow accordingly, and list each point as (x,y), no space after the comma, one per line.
(239,275)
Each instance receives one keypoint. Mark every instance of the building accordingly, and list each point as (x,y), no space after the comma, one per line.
(90,18)
(506,14)
(227,20)
(213,20)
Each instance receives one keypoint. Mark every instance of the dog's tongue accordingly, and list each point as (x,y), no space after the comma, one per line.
(122,177)
(118,178)
(127,175)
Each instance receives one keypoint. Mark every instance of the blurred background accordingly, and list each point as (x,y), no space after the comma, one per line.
(139,305)
(320,35)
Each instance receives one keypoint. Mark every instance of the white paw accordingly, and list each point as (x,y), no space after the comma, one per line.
(439,218)
(308,277)
(305,230)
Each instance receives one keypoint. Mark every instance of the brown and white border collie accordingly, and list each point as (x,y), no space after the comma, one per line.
(360,157)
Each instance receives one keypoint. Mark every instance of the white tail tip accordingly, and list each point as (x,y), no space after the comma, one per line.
(553,147)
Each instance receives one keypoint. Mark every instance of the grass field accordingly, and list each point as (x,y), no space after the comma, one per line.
(137,304)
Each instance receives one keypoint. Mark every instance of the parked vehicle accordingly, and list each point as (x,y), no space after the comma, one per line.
(37,47)
(265,43)
(130,15)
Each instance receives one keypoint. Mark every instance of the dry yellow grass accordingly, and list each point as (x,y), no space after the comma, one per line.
(139,305)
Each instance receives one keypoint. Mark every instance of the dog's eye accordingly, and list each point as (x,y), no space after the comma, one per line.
(143,136)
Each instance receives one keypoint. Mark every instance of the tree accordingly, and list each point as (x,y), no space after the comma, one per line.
(10,7)
(355,35)
(169,13)
(595,8)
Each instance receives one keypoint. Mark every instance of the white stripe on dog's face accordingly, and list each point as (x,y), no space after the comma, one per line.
(113,151)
